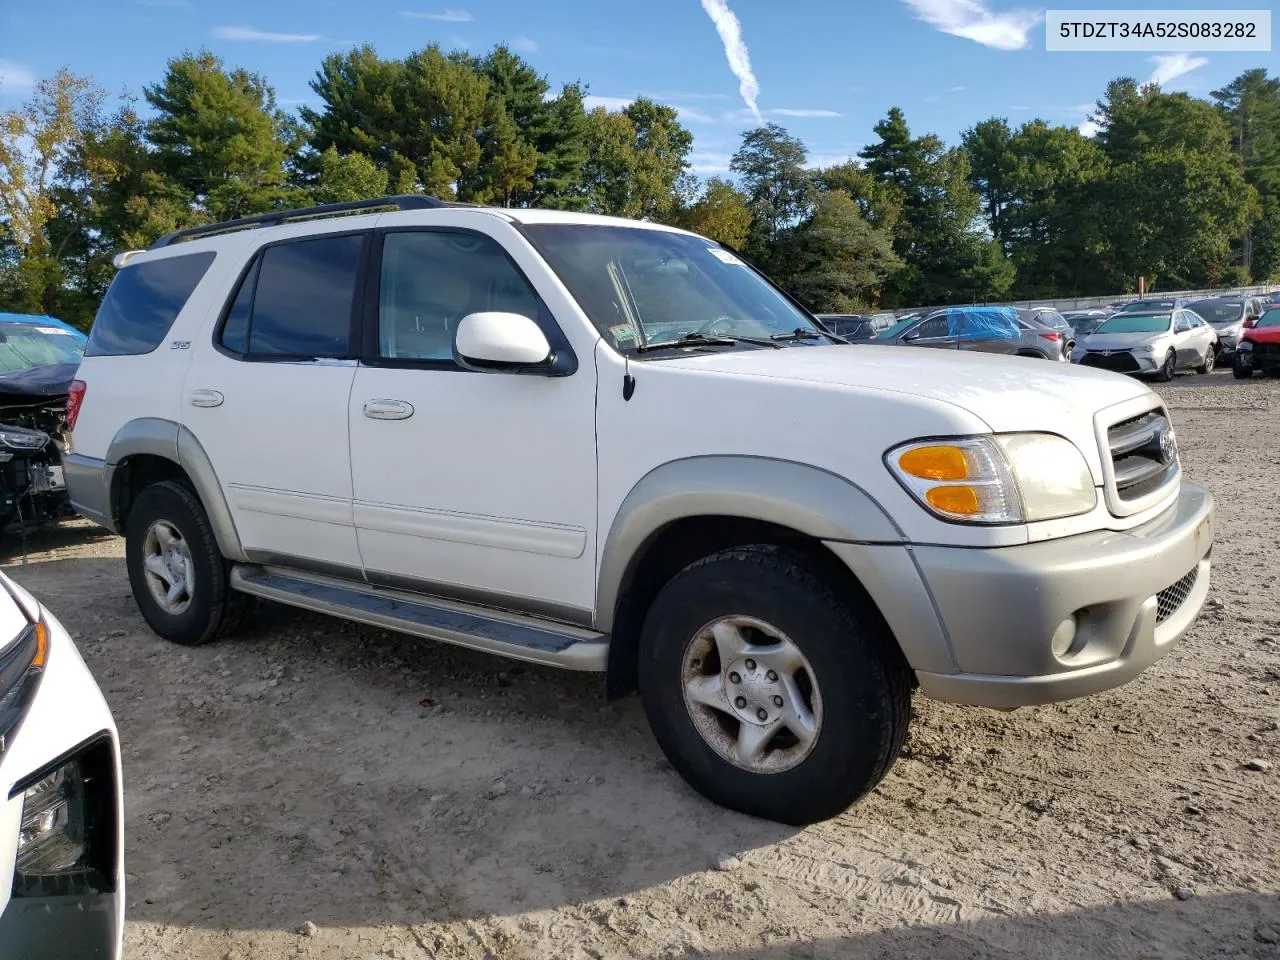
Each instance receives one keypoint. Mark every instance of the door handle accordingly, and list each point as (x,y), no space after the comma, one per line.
(388,410)
(206,398)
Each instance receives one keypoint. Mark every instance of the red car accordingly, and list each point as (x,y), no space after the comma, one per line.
(1259,347)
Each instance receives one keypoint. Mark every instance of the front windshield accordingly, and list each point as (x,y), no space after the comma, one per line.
(1219,312)
(641,286)
(1136,323)
(27,345)
(898,327)
(1269,319)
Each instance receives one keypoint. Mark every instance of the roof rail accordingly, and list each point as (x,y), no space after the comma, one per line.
(404,201)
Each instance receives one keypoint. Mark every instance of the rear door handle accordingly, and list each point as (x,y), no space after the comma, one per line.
(206,398)
(388,410)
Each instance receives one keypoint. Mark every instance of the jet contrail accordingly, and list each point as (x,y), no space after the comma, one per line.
(735,51)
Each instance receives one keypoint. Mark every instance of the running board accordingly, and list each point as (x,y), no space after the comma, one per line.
(493,631)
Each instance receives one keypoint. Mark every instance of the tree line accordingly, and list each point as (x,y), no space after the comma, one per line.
(1176,189)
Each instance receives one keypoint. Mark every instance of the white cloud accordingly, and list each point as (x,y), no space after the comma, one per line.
(665,97)
(954,89)
(262,36)
(793,112)
(591,101)
(702,162)
(448,16)
(972,20)
(735,51)
(1171,66)
(820,160)
(524,44)
(687,114)
(14,76)
(1089,129)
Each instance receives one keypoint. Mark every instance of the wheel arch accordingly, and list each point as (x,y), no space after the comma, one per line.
(150,449)
(687,509)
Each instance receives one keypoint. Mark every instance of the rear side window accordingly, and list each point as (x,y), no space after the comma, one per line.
(296,301)
(142,303)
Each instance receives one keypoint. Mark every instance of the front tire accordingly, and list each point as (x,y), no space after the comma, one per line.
(179,578)
(769,693)
(1241,372)
(1168,368)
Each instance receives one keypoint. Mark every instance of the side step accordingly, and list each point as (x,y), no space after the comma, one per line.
(493,631)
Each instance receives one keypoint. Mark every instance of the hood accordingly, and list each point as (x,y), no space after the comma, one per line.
(1263,334)
(48,381)
(1121,341)
(1008,393)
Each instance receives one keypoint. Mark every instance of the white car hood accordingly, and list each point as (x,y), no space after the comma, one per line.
(1007,393)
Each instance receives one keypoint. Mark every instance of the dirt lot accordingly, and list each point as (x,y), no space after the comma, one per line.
(413,800)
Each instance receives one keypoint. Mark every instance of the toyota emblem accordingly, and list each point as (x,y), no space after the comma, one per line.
(1105,353)
(1168,446)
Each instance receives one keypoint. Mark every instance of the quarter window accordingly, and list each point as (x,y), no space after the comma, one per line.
(430,280)
(142,303)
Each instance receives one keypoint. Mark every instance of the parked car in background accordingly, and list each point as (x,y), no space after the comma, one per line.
(1259,347)
(1084,322)
(38,361)
(774,588)
(853,327)
(1227,316)
(884,320)
(1041,340)
(1158,342)
(1155,303)
(61,829)
(982,329)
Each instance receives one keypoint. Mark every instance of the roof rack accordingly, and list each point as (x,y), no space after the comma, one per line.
(404,201)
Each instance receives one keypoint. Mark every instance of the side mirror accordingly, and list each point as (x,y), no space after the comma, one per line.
(501,342)
(913,335)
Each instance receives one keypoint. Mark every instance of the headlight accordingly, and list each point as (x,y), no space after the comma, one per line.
(1012,478)
(22,664)
(1145,348)
(22,439)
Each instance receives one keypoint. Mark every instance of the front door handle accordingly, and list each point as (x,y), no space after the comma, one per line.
(206,398)
(388,410)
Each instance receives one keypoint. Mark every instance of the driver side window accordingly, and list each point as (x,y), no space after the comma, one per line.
(935,328)
(430,280)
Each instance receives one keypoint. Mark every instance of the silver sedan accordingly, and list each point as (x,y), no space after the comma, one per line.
(1159,343)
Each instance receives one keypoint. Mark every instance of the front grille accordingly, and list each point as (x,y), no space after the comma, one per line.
(1171,598)
(1119,362)
(1144,454)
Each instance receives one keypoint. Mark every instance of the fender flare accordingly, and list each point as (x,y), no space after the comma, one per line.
(798,496)
(157,437)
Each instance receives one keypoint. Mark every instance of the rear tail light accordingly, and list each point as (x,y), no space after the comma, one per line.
(75,399)
(1054,336)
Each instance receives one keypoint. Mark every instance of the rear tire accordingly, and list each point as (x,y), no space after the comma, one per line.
(1168,369)
(1210,359)
(807,652)
(179,578)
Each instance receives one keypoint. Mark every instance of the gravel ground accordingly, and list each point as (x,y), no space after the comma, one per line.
(324,790)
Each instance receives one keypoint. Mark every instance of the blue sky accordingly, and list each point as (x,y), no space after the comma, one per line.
(825,69)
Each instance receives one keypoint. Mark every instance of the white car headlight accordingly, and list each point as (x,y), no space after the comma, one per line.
(1145,348)
(1009,478)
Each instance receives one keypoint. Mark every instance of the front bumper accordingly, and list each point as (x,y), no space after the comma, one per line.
(1120,361)
(79,915)
(1133,595)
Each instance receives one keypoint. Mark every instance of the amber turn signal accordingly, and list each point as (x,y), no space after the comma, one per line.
(935,463)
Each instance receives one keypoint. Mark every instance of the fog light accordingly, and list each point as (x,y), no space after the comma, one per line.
(1063,637)
(51,839)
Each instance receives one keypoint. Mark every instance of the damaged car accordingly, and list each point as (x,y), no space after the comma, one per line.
(38,360)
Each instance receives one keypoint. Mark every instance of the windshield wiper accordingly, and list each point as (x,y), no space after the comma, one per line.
(800,333)
(704,340)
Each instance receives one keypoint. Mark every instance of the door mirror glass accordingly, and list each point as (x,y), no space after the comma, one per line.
(494,341)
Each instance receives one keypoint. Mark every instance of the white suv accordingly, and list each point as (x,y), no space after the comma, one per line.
(614,446)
